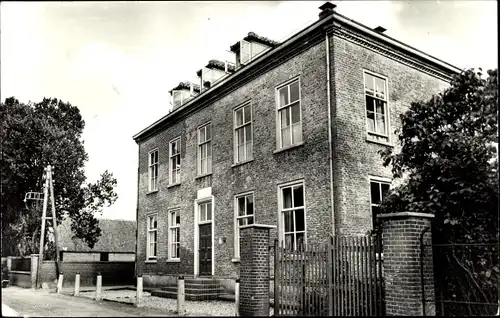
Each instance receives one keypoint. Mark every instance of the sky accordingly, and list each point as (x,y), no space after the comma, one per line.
(117,61)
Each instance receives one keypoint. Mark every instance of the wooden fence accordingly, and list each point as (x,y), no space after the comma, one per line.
(343,278)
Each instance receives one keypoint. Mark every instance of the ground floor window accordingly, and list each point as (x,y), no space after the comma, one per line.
(244,215)
(292,215)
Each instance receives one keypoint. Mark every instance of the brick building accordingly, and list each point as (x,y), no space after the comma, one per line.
(288,135)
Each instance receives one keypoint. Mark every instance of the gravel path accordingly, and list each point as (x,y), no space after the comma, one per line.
(193,308)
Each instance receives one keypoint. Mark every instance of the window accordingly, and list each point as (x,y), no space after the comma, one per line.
(175,160)
(174,234)
(292,215)
(376,105)
(243,141)
(244,215)
(205,212)
(104,257)
(204,149)
(378,191)
(289,116)
(153,170)
(151,239)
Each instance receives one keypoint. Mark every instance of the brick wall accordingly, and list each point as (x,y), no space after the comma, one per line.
(402,264)
(113,273)
(254,271)
(263,175)
(355,157)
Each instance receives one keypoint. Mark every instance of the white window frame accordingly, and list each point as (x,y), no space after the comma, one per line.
(386,104)
(172,239)
(171,156)
(149,250)
(207,142)
(379,180)
(243,126)
(237,219)
(281,211)
(279,135)
(153,167)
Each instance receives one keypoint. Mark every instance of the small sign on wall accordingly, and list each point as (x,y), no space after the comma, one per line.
(204,193)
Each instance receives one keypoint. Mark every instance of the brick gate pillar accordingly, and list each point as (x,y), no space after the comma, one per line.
(34,271)
(254,270)
(409,279)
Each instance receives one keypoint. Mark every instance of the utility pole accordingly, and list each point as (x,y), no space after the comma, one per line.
(48,185)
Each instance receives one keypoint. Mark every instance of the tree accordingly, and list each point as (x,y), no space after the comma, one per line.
(448,165)
(34,136)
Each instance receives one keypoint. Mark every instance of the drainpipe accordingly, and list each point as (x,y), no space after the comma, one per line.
(330,145)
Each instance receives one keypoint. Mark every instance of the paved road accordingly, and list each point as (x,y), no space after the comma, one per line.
(40,303)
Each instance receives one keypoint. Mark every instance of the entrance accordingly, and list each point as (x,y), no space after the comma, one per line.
(205,238)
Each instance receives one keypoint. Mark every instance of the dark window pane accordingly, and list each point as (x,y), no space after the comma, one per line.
(283,95)
(250,220)
(288,221)
(239,117)
(241,206)
(375,192)
(248,114)
(177,220)
(209,132)
(369,82)
(385,189)
(249,205)
(287,198)
(248,132)
(289,241)
(295,113)
(294,91)
(300,220)
(300,240)
(375,212)
(242,221)
(379,106)
(298,196)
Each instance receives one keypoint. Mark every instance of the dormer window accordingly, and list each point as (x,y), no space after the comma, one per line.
(183,92)
(214,72)
(251,47)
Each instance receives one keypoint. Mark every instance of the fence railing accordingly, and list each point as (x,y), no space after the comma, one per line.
(343,278)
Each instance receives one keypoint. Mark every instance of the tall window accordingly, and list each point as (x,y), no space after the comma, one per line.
(244,214)
(289,116)
(293,220)
(175,160)
(174,234)
(204,149)
(243,140)
(376,105)
(378,191)
(153,170)
(151,239)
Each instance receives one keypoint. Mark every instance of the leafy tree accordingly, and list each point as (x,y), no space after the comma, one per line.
(448,165)
(34,136)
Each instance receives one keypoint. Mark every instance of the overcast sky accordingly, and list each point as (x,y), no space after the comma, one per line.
(117,61)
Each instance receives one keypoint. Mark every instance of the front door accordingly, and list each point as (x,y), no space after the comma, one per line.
(205,251)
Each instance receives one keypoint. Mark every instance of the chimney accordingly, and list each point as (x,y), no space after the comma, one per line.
(326,9)
(380,29)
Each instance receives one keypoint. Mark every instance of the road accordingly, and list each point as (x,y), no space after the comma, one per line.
(40,303)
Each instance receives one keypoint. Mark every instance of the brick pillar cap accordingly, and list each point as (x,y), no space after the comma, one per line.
(265,226)
(34,255)
(405,214)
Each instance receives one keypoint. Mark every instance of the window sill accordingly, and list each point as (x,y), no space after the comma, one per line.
(173,185)
(151,261)
(151,192)
(383,143)
(242,163)
(289,147)
(203,175)
(174,260)
(235,260)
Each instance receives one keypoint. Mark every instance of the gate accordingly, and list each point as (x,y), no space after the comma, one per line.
(465,278)
(343,278)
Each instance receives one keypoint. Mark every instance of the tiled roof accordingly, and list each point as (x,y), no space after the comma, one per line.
(116,236)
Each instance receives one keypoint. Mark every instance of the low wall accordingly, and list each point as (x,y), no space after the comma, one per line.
(20,278)
(113,273)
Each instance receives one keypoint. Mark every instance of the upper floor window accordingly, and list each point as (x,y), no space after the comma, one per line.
(292,215)
(289,115)
(175,160)
(243,139)
(376,105)
(153,170)
(244,215)
(151,237)
(204,149)
(378,191)
(174,234)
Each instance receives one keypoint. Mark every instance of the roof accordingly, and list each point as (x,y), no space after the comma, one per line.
(254,37)
(186,85)
(294,40)
(117,236)
(218,65)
